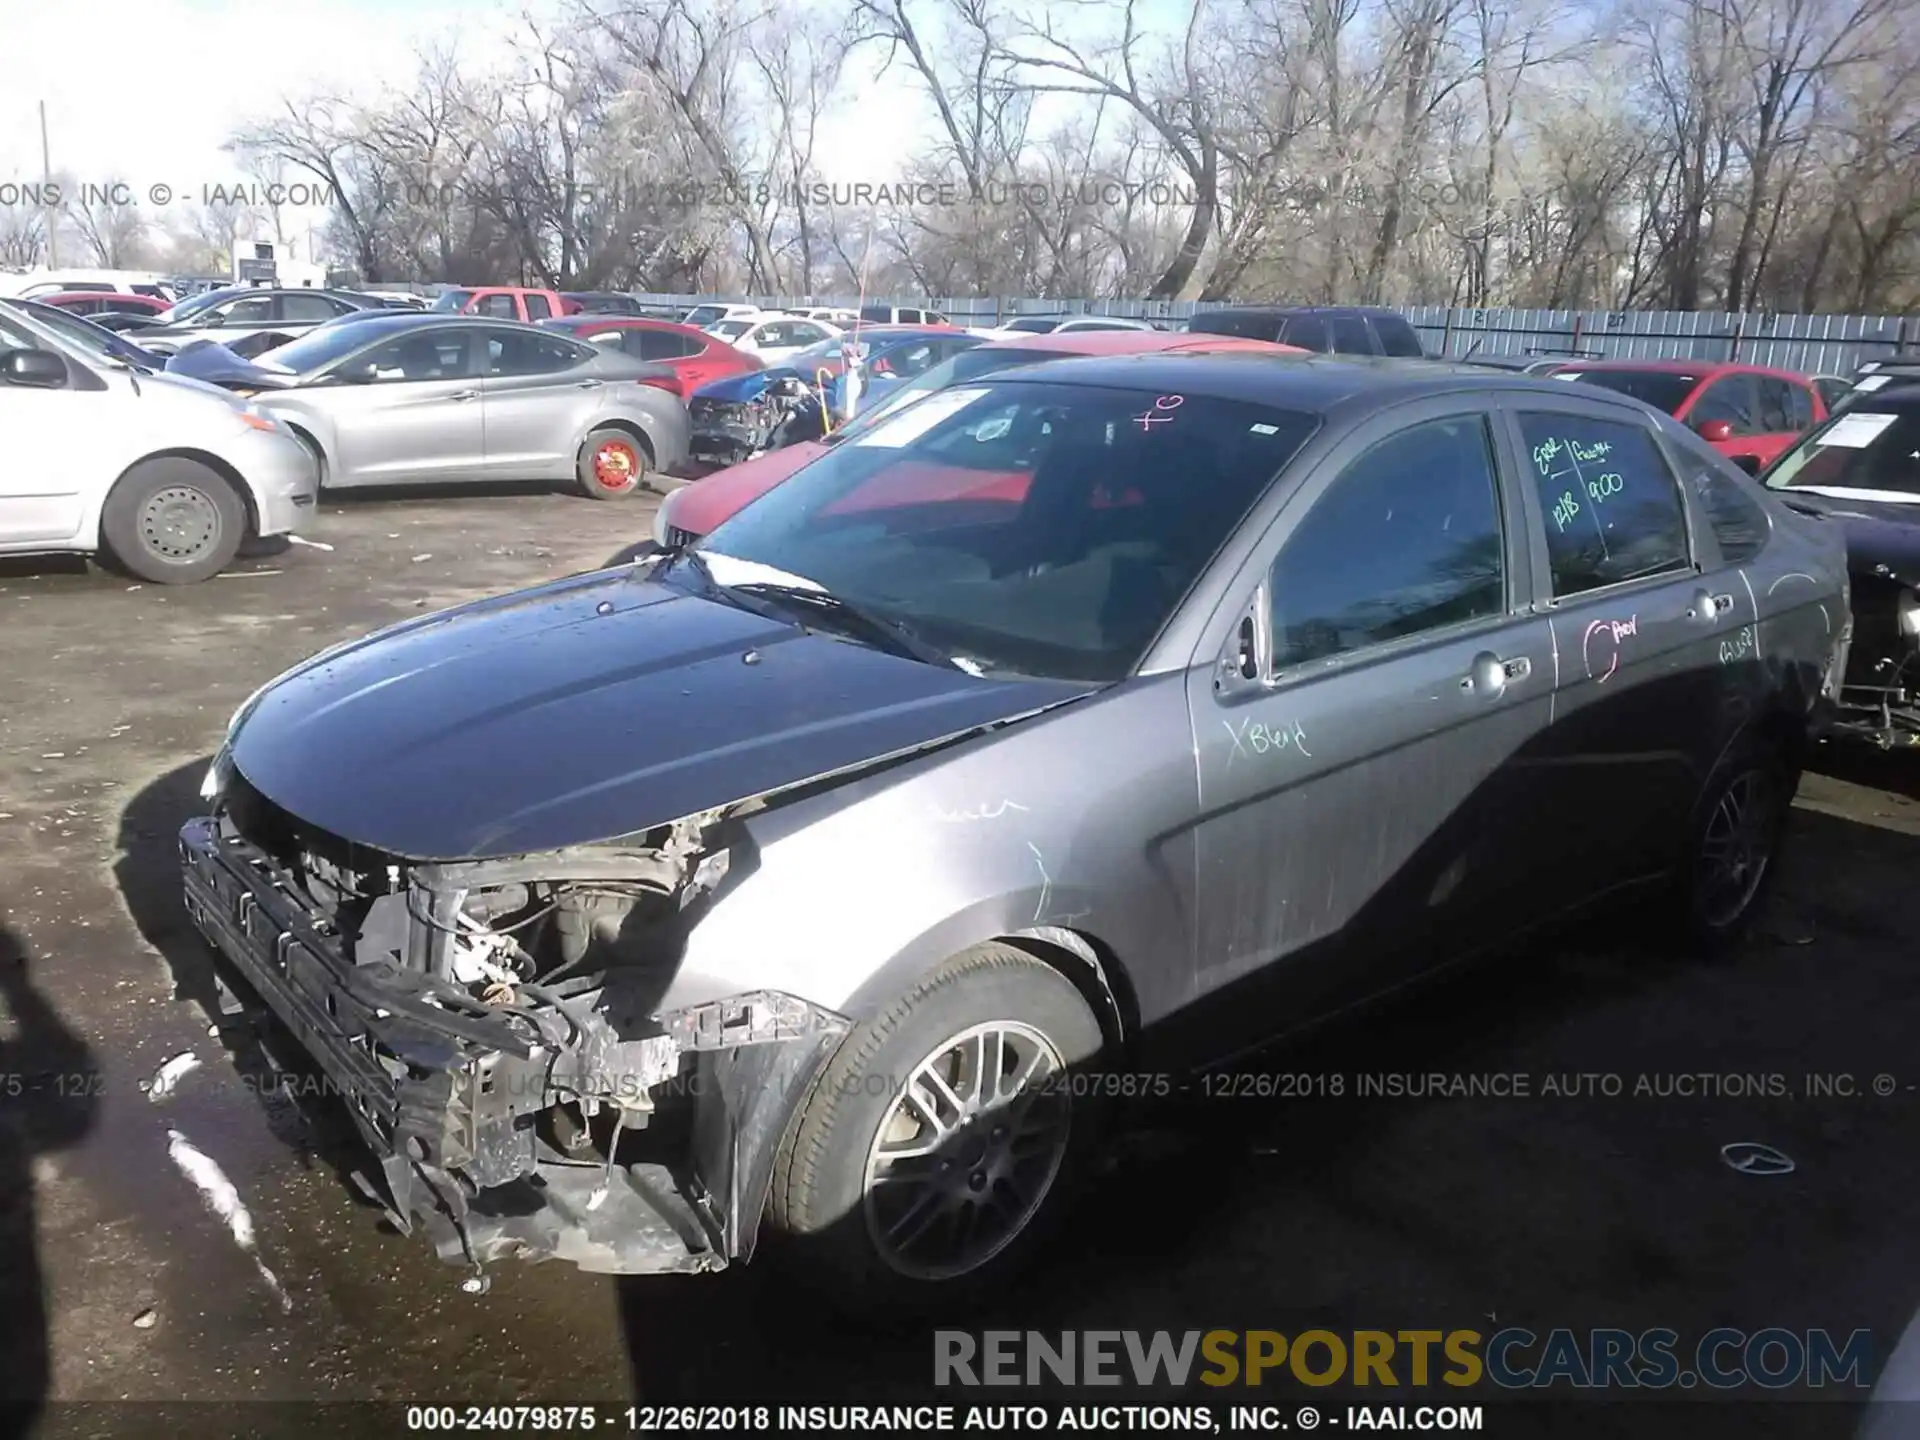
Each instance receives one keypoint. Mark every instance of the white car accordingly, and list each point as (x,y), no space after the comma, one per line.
(167,475)
(1059,325)
(773,338)
(705,317)
(107,282)
(841,319)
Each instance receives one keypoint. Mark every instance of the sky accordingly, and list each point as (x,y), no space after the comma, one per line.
(219,63)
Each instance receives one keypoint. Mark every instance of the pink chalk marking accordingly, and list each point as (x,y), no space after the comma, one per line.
(1612,631)
(1169,402)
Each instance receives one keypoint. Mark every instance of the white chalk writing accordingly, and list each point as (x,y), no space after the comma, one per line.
(1261,739)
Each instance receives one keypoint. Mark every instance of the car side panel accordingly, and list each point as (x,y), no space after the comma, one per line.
(1072,821)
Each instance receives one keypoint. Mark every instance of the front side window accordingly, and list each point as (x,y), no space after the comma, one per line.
(254,310)
(538,308)
(1308,332)
(1398,337)
(1799,406)
(1613,510)
(1351,336)
(662,345)
(300,309)
(1731,400)
(1022,527)
(1407,539)
(500,307)
(441,356)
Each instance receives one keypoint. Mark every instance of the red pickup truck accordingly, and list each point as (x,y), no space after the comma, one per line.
(506,302)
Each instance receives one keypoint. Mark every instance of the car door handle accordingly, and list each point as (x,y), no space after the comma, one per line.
(1709,607)
(586,384)
(464,395)
(1490,675)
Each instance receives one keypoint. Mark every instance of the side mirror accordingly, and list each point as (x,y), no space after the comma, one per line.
(35,369)
(1748,463)
(1714,431)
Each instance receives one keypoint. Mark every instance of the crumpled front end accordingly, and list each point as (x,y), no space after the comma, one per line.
(728,432)
(499,1033)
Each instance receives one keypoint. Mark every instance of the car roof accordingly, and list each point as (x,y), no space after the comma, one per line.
(1293,379)
(1302,310)
(1685,367)
(1136,342)
(381,321)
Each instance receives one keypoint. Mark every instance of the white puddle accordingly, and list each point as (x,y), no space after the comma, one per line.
(224,1201)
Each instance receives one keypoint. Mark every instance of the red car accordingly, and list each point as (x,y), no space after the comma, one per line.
(698,507)
(105,302)
(507,302)
(695,357)
(1747,412)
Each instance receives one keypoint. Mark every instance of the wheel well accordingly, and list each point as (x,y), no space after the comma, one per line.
(1094,970)
(219,467)
(305,436)
(626,427)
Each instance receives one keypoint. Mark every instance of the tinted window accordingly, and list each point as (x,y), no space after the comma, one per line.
(297,309)
(1027,527)
(1613,512)
(1407,539)
(1397,337)
(439,355)
(1662,389)
(1738,518)
(1247,324)
(1775,409)
(1862,449)
(908,317)
(1034,327)
(1309,332)
(515,352)
(905,361)
(663,344)
(254,310)
(1731,399)
(876,314)
(538,308)
(500,307)
(1351,336)
(1799,406)
(1831,388)
(732,329)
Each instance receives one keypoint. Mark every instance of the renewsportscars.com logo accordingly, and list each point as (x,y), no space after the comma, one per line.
(1514,1358)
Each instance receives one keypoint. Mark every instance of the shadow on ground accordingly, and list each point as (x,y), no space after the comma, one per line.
(48,1101)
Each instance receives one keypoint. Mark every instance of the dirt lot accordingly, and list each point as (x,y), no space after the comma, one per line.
(1251,1212)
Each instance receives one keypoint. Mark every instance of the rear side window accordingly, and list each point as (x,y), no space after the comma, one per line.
(538,308)
(876,314)
(1799,407)
(1351,336)
(1244,324)
(1730,399)
(1613,510)
(664,345)
(1407,539)
(1397,337)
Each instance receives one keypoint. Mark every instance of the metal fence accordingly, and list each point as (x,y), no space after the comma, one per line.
(1811,344)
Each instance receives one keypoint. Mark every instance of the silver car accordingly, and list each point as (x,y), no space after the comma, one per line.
(1074,728)
(401,398)
(247,319)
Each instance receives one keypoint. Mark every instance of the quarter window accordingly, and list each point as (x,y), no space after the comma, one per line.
(1407,539)
(1613,512)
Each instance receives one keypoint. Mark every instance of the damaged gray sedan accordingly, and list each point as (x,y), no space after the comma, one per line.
(1069,730)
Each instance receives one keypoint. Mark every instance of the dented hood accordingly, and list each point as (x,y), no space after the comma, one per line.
(590,708)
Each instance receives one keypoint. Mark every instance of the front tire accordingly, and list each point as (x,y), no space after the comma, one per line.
(173,522)
(943,1139)
(612,464)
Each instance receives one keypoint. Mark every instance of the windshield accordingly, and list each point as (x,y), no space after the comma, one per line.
(187,309)
(1864,454)
(88,337)
(705,315)
(1022,527)
(318,348)
(1662,389)
(967,365)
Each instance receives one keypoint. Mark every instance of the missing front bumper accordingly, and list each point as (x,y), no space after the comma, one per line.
(450,1095)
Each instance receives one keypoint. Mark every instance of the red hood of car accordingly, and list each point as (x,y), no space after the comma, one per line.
(706,502)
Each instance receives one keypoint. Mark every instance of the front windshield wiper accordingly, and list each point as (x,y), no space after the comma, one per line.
(889,634)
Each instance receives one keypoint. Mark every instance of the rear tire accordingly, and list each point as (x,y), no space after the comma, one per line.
(173,522)
(1733,853)
(613,464)
(904,1180)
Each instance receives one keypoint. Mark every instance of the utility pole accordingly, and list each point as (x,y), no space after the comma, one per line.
(53,212)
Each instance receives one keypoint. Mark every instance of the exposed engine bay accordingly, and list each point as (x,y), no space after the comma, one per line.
(787,412)
(496,1028)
